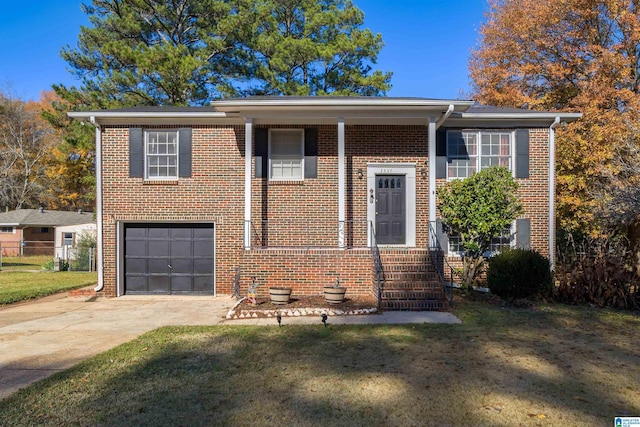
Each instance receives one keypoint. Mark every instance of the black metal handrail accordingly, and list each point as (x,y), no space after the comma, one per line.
(377,262)
(439,259)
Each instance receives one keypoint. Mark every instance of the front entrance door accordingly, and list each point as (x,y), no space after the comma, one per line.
(390,209)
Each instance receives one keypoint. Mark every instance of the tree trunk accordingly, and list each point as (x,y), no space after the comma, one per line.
(471,267)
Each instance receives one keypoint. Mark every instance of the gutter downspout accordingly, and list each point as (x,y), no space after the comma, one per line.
(552,191)
(98,202)
(431,138)
(446,115)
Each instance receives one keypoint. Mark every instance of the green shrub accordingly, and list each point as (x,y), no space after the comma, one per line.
(519,273)
(48,265)
(85,256)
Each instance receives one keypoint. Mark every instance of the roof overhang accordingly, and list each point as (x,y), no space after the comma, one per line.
(158,117)
(327,110)
(526,118)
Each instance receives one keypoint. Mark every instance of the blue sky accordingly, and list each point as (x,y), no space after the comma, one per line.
(427,44)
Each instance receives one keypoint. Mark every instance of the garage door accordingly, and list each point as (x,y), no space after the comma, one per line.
(169,258)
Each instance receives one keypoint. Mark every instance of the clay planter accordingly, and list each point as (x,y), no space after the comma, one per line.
(280,295)
(334,295)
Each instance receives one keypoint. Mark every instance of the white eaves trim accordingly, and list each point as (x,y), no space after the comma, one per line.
(147,115)
(278,103)
(528,114)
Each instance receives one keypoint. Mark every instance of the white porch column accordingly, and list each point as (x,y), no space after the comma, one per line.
(341,184)
(248,137)
(432,178)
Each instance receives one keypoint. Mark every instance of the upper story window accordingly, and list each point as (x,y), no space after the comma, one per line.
(286,154)
(7,230)
(472,151)
(161,154)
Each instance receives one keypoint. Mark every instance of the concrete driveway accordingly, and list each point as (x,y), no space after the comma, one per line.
(49,335)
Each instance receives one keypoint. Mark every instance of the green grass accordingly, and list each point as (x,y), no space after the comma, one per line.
(20,286)
(553,365)
(24,262)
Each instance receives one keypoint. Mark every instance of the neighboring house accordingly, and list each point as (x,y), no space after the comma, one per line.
(36,231)
(301,191)
(67,237)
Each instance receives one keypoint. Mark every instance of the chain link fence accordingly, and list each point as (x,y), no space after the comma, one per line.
(44,255)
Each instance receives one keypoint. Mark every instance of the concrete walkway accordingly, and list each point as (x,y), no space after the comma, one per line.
(52,334)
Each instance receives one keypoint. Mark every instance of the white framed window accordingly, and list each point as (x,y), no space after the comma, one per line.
(7,230)
(286,154)
(161,154)
(67,239)
(470,151)
(507,239)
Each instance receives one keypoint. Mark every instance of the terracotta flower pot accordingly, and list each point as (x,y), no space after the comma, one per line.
(334,295)
(280,295)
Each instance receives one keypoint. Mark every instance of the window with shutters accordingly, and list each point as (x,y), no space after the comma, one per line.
(161,154)
(286,154)
(472,151)
(507,239)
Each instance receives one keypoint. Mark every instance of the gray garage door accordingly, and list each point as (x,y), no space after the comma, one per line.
(169,258)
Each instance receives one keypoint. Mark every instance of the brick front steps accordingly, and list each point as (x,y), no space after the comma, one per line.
(411,281)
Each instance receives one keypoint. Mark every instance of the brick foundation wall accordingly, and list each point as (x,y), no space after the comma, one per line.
(307,271)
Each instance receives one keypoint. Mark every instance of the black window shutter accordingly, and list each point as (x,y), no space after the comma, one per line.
(311,153)
(184,152)
(441,153)
(523,233)
(261,142)
(522,153)
(136,153)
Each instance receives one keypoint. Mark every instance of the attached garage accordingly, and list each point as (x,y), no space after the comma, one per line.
(161,258)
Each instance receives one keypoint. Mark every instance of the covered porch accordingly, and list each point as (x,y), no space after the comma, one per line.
(369,175)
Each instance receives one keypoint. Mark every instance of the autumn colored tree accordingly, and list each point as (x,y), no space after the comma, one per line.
(572,55)
(26,141)
(71,176)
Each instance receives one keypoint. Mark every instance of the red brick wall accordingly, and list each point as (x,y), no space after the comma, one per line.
(380,144)
(10,242)
(215,193)
(306,272)
(534,191)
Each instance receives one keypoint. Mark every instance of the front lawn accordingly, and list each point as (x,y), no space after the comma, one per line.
(19,286)
(554,365)
(36,262)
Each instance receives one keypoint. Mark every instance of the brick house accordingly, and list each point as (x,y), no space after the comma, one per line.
(26,232)
(301,191)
